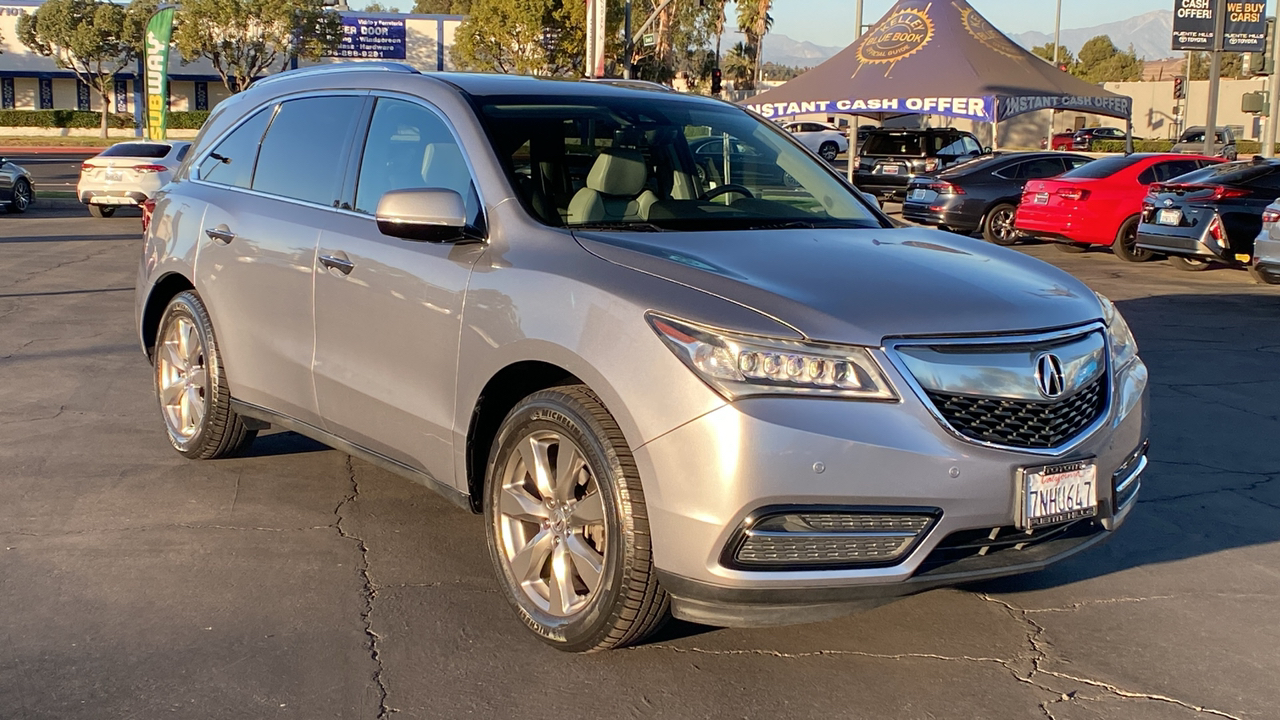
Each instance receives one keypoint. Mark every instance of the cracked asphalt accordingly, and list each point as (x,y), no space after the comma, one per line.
(301,583)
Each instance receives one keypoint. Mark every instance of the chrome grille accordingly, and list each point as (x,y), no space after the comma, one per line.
(1023,423)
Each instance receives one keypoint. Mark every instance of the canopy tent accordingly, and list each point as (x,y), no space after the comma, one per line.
(936,57)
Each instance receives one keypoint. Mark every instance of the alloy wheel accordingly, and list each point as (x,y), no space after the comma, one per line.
(183,377)
(1002,226)
(21,196)
(551,523)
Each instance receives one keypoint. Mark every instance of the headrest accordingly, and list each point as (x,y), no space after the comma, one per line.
(444,166)
(618,172)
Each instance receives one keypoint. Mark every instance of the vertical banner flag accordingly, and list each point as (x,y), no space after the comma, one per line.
(159,31)
(596,38)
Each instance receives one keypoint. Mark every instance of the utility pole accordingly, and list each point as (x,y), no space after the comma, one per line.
(1215,69)
(857,19)
(1273,82)
(626,46)
(1057,33)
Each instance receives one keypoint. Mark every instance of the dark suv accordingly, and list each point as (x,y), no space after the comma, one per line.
(889,158)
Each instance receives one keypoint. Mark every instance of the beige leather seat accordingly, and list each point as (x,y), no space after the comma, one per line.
(615,190)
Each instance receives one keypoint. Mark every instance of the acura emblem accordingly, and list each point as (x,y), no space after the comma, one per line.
(1049,376)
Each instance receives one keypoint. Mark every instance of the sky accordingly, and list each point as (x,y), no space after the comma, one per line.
(830,22)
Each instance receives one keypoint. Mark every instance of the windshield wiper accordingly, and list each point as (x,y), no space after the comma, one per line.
(636,225)
(804,224)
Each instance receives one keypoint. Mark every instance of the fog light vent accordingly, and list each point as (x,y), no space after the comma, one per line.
(795,538)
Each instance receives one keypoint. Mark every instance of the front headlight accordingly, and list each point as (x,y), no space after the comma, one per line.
(1123,345)
(742,365)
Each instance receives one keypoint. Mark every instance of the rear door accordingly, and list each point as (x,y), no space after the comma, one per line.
(389,311)
(270,188)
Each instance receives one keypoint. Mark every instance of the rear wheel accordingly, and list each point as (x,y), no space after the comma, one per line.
(1265,277)
(101,211)
(1126,243)
(194,399)
(998,226)
(1188,264)
(568,527)
(22,196)
(828,150)
(1072,248)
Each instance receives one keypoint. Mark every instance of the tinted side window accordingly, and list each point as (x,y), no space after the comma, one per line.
(231,162)
(182,153)
(1043,168)
(409,146)
(302,155)
(971,146)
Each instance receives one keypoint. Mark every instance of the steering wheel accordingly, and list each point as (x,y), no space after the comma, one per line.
(716,192)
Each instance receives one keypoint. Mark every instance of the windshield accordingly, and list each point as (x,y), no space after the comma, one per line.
(655,163)
(1104,167)
(1197,136)
(136,149)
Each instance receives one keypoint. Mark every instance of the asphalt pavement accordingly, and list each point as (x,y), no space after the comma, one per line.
(301,583)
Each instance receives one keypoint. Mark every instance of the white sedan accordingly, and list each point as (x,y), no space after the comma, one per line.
(826,140)
(128,173)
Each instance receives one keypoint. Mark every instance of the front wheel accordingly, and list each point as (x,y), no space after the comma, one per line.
(22,196)
(998,226)
(1188,264)
(828,150)
(568,527)
(192,387)
(101,211)
(1126,243)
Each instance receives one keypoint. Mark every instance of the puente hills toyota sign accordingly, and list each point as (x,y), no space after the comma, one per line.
(1246,25)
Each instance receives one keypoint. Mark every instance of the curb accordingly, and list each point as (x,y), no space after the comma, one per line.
(49,150)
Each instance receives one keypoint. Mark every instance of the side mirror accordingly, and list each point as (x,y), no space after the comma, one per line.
(426,214)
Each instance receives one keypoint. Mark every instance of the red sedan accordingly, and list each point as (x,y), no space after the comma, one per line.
(1059,141)
(1099,203)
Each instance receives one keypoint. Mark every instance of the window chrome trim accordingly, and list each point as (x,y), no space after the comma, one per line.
(895,360)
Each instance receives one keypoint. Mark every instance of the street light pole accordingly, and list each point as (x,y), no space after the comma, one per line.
(1057,33)
(857,19)
(626,47)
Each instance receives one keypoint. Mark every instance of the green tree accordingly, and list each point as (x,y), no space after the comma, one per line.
(442,7)
(1232,65)
(1097,51)
(245,39)
(682,35)
(377,7)
(1065,57)
(1101,61)
(93,39)
(525,37)
(754,22)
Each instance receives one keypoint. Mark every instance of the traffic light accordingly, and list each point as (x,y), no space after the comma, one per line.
(715,81)
(1262,63)
(1179,87)
(1062,67)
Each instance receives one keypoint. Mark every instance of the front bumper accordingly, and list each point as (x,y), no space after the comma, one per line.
(704,478)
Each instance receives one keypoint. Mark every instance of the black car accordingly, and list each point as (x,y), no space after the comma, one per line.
(982,194)
(744,165)
(1210,215)
(890,158)
(1084,138)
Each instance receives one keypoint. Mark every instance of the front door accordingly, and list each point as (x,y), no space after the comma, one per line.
(388,310)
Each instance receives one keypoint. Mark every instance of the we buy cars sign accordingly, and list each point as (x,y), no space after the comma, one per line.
(1246,26)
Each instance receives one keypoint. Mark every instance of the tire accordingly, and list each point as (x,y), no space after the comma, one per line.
(828,150)
(188,370)
(1188,264)
(997,226)
(1264,277)
(100,211)
(530,533)
(1125,245)
(1073,248)
(22,196)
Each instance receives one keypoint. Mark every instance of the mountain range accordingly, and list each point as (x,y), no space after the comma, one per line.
(1150,35)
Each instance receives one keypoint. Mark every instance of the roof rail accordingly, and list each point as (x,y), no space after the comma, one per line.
(637,84)
(338,68)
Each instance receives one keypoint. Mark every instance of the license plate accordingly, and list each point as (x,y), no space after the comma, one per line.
(888,169)
(1042,198)
(114,176)
(1169,217)
(918,194)
(1058,494)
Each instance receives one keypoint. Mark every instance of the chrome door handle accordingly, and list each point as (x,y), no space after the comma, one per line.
(342,265)
(221,233)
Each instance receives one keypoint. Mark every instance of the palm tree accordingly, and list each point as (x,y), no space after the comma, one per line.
(739,66)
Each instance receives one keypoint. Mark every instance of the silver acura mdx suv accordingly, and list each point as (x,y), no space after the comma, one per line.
(680,366)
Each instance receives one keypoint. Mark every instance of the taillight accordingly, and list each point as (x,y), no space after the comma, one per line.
(1270,216)
(856,160)
(1216,230)
(945,188)
(86,167)
(148,207)
(1221,192)
(1216,192)
(930,164)
(149,168)
(1072,193)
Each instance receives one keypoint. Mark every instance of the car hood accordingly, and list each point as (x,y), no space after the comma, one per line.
(860,286)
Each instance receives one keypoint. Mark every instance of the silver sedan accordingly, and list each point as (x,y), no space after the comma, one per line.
(17,191)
